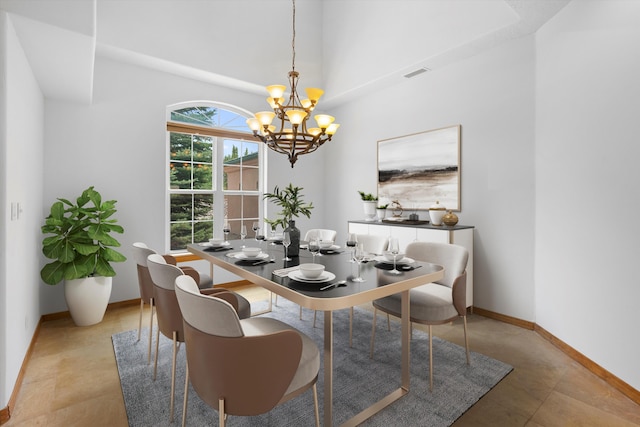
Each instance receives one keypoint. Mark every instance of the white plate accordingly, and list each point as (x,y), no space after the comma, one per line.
(332,248)
(405,260)
(240,255)
(274,239)
(326,276)
(209,245)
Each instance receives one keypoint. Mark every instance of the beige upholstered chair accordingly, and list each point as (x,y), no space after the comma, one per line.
(221,350)
(372,244)
(140,253)
(163,276)
(320,233)
(433,303)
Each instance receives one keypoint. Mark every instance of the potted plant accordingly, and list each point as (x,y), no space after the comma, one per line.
(369,202)
(381,211)
(290,201)
(80,244)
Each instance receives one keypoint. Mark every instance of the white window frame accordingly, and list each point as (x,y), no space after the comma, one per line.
(217,181)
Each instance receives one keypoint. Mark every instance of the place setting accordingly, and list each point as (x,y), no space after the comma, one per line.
(250,256)
(216,245)
(313,277)
(394,260)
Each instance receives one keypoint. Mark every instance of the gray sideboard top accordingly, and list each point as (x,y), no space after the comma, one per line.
(413,224)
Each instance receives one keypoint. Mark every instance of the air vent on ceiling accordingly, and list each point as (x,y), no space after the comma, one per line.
(417,72)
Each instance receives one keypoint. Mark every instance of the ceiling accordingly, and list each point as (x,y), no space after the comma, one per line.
(347,47)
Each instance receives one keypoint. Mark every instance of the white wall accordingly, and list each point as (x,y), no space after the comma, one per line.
(492,97)
(587,178)
(21,139)
(118,145)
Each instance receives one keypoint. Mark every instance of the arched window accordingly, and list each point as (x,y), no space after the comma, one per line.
(215,172)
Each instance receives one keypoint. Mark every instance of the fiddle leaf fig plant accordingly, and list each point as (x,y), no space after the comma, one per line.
(79,239)
(290,200)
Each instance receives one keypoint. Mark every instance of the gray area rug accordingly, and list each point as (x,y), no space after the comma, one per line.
(358,380)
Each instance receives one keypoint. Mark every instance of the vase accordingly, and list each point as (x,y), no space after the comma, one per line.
(87,299)
(450,219)
(294,234)
(436,212)
(369,208)
(381,213)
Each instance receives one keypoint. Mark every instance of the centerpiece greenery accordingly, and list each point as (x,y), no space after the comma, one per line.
(80,242)
(290,201)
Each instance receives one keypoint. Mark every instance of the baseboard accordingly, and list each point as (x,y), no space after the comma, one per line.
(5,413)
(593,367)
(504,318)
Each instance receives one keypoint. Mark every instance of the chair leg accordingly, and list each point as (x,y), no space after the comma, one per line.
(140,321)
(315,313)
(466,339)
(388,322)
(173,376)
(155,364)
(221,417)
(315,404)
(186,394)
(351,327)
(373,332)
(152,306)
(430,360)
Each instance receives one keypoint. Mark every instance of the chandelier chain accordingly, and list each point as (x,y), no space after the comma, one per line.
(293,40)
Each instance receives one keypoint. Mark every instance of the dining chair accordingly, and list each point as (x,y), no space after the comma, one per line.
(169,316)
(140,253)
(320,233)
(374,245)
(242,367)
(433,303)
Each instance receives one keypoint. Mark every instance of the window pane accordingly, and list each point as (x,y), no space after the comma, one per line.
(202,149)
(181,207)
(250,207)
(202,116)
(180,146)
(232,207)
(250,179)
(231,177)
(180,235)
(202,231)
(203,207)
(232,152)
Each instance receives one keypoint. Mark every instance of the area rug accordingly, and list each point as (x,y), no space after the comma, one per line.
(358,380)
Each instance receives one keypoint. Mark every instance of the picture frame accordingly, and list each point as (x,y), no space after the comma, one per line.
(420,169)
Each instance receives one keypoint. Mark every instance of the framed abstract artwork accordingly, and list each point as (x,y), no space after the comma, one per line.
(419,169)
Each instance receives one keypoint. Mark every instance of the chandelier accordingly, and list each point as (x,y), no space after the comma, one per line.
(291,134)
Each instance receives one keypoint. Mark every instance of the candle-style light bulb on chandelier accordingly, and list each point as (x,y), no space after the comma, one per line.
(292,136)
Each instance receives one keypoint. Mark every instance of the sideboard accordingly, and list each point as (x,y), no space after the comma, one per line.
(410,232)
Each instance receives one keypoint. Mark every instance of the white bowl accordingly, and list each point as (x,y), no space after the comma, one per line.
(389,256)
(216,242)
(311,271)
(325,244)
(251,252)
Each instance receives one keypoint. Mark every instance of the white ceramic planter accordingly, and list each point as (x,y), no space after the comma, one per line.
(381,213)
(87,299)
(369,208)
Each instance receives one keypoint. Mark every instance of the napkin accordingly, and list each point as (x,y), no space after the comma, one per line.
(283,272)
(220,249)
(401,267)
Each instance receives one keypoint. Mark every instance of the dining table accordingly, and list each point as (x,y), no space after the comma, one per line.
(273,273)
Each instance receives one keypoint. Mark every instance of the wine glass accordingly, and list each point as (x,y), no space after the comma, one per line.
(314,247)
(256,228)
(358,255)
(226,229)
(243,234)
(394,248)
(286,241)
(352,241)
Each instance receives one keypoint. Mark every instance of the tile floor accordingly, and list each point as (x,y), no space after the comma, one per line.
(72,379)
